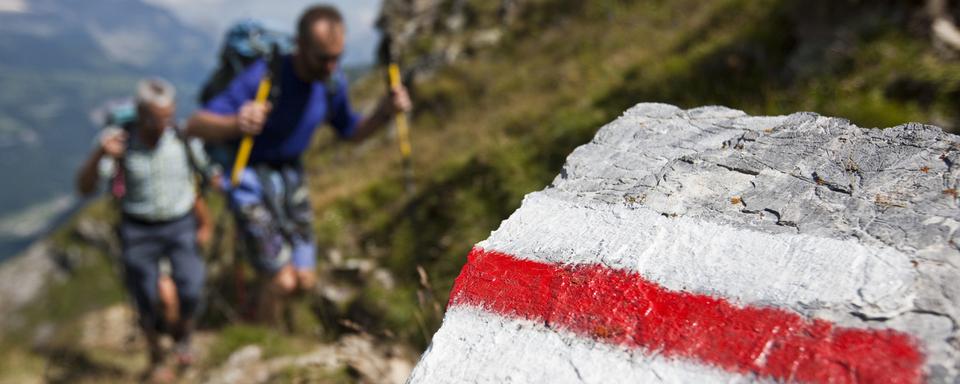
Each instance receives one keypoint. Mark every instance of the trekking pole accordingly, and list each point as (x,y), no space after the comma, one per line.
(243,153)
(243,156)
(403,132)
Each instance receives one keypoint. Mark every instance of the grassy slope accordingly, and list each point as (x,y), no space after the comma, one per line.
(495,127)
(498,126)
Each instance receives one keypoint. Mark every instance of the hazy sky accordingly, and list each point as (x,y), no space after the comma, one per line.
(214,16)
(13,5)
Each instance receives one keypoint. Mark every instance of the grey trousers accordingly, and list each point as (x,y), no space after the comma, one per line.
(144,244)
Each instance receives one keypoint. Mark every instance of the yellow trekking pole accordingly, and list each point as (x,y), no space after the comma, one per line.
(243,156)
(403,131)
(243,153)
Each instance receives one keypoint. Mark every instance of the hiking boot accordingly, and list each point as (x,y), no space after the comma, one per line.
(184,354)
(160,374)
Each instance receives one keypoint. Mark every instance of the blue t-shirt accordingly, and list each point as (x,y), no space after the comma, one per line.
(299,109)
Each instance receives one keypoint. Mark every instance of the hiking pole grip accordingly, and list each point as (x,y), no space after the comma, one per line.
(246,145)
(403,130)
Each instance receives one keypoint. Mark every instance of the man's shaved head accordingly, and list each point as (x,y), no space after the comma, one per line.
(320,42)
(317,13)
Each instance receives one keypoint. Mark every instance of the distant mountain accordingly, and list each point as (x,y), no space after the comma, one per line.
(101,36)
(59,59)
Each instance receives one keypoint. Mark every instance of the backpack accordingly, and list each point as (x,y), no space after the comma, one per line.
(245,43)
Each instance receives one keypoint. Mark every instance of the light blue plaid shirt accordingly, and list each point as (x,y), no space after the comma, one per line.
(159,182)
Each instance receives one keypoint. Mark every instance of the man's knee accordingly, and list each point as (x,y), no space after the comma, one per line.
(284,282)
(167,290)
(306,279)
(169,301)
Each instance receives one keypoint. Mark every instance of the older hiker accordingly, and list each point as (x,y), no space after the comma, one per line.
(271,200)
(162,214)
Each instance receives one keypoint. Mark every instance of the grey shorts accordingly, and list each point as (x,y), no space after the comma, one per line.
(273,211)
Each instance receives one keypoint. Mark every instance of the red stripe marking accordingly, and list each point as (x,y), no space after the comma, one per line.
(623,308)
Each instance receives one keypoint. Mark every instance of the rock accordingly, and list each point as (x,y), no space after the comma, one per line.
(706,245)
(23,279)
(245,356)
(100,234)
(112,328)
(425,35)
(371,363)
(43,335)
(243,366)
(487,37)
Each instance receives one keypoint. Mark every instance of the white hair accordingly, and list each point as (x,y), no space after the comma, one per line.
(156,92)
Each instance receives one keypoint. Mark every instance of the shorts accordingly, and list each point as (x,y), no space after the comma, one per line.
(273,212)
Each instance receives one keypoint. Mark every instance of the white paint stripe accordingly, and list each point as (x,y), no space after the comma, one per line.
(479,347)
(822,277)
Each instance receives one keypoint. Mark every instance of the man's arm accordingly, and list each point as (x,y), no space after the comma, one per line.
(88,175)
(210,126)
(397,101)
(232,113)
(214,127)
(204,221)
(370,124)
(113,144)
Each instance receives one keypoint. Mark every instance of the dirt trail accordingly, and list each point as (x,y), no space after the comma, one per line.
(110,349)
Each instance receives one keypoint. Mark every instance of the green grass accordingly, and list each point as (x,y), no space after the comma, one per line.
(495,127)
(885,78)
(91,284)
(273,343)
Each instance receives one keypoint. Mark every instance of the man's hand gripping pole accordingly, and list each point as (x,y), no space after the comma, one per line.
(246,145)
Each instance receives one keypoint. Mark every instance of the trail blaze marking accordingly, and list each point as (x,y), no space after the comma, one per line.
(621,307)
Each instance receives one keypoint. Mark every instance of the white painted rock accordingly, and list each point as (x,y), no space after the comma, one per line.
(707,245)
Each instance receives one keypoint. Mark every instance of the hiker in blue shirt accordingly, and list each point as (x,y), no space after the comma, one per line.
(271,199)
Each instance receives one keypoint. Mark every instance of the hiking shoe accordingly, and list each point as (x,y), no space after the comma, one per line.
(184,354)
(160,374)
